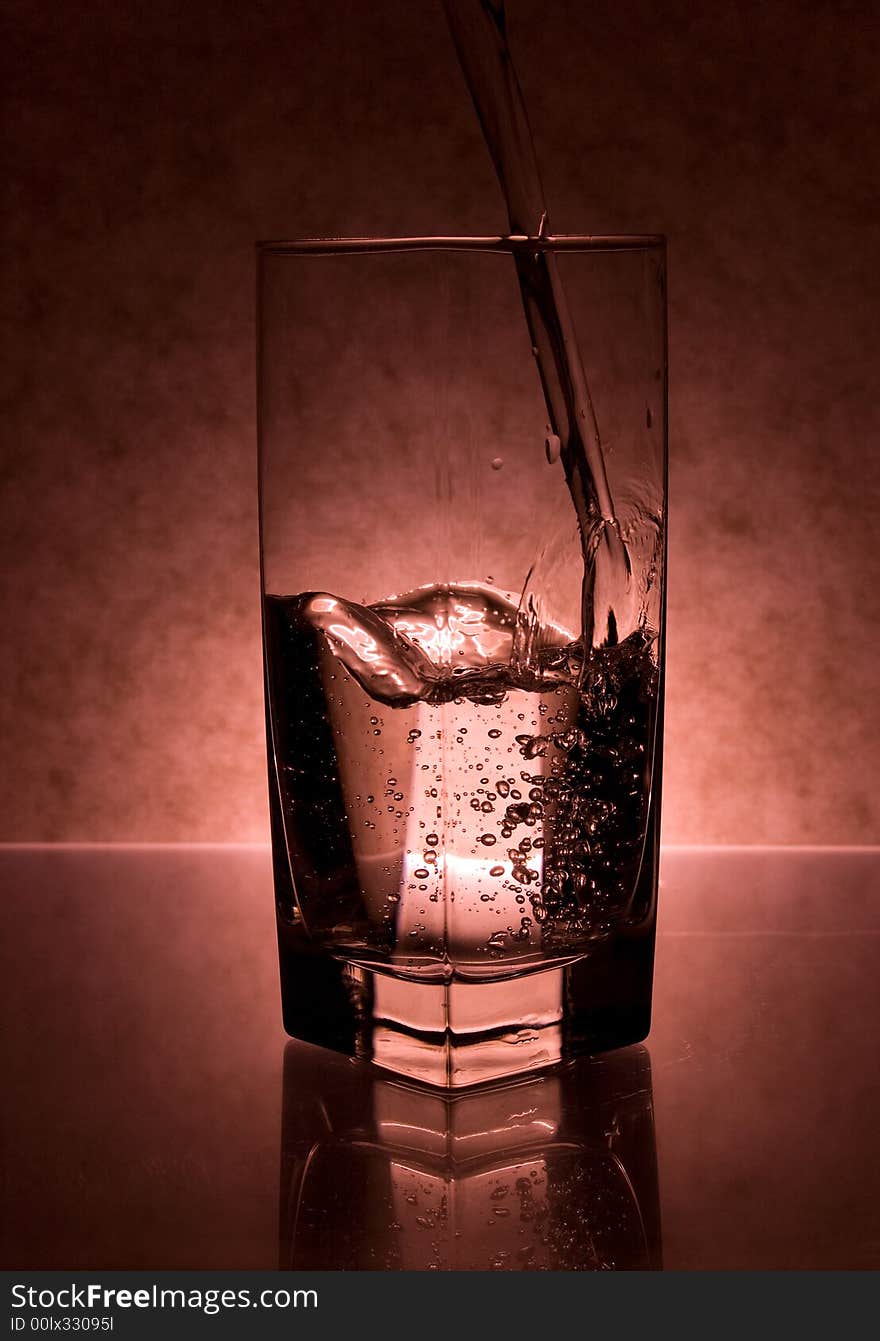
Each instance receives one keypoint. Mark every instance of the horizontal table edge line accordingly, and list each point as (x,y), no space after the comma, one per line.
(180,846)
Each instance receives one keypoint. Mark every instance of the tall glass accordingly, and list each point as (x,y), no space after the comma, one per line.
(464,765)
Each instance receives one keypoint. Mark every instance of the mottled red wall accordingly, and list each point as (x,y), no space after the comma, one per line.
(146,147)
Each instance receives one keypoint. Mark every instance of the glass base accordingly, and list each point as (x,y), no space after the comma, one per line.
(466,1033)
(457,1034)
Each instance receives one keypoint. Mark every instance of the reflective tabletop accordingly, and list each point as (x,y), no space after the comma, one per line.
(155,1115)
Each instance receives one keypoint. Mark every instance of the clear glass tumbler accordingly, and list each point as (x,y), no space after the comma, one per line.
(464,766)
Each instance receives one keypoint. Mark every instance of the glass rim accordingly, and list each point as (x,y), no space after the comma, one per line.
(560,242)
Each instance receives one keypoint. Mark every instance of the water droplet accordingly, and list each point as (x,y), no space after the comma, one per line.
(497,462)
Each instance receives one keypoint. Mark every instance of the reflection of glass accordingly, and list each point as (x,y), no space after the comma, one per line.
(463,654)
(555,1172)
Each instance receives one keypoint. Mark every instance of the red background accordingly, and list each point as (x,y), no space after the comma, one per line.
(147,147)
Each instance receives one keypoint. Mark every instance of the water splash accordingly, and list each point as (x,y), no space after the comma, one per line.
(440,643)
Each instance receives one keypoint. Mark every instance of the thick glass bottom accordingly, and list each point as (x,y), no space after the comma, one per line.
(458,1034)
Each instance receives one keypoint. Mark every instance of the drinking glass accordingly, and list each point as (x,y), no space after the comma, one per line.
(464,769)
